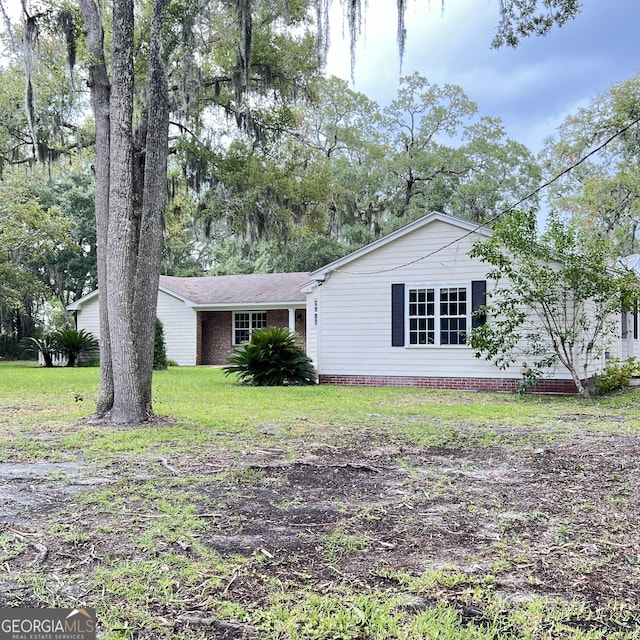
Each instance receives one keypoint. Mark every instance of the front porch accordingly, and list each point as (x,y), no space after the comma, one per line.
(218,332)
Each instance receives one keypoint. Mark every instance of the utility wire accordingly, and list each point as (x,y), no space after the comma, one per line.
(498,215)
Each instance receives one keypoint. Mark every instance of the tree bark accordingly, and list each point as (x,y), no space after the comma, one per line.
(154,200)
(121,242)
(100,97)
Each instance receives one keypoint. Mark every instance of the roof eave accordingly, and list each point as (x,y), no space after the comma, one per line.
(74,306)
(247,306)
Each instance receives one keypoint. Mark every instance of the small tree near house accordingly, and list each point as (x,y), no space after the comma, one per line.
(557,298)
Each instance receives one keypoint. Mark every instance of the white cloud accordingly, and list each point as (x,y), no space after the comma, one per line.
(532,87)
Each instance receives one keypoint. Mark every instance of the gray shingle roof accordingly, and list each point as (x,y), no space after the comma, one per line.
(252,288)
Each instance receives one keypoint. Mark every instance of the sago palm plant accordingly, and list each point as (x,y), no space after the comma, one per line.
(73,343)
(46,346)
(271,358)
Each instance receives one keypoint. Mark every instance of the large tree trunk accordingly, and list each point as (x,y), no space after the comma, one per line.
(100,97)
(122,238)
(130,206)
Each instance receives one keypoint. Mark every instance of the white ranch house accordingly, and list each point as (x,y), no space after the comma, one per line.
(392,313)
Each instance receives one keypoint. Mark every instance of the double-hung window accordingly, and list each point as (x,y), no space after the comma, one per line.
(437,316)
(245,323)
(422,316)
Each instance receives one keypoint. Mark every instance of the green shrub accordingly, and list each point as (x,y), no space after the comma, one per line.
(160,362)
(616,375)
(271,358)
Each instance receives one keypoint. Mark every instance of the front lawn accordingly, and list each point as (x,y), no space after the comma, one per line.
(320,512)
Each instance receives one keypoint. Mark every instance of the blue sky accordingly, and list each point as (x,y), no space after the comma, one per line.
(532,88)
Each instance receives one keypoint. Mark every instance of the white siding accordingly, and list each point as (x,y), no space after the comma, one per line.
(354,336)
(180,330)
(629,343)
(178,320)
(88,316)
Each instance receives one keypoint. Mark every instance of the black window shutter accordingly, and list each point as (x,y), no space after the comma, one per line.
(478,299)
(397,315)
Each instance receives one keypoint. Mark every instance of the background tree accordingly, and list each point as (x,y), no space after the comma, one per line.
(41,107)
(603,193)
(70,272)
(32,236)
(419,122)
(500,172)
(342,137)
(557,299)
(446,158)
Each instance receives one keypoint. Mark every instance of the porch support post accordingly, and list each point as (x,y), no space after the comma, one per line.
(292,319)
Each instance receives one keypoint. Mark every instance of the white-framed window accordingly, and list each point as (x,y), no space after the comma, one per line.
(422,316)
(437,316)
(245,323)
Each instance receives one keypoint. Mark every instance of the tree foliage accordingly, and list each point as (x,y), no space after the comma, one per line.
(34,235)
(557,298)
(445,158)
(602,193)
(523,18)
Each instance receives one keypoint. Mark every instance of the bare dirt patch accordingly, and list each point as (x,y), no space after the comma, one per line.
(558,521)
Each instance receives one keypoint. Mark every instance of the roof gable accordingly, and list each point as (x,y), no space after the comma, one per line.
(466,227)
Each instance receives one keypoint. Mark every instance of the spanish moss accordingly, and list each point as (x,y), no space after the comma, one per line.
(68,28)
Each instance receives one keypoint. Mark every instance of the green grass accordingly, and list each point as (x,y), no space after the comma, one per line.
(43,412)
(137,548)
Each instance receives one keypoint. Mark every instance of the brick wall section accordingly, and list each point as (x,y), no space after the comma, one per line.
(461,384)
(216,337)
(280,318)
